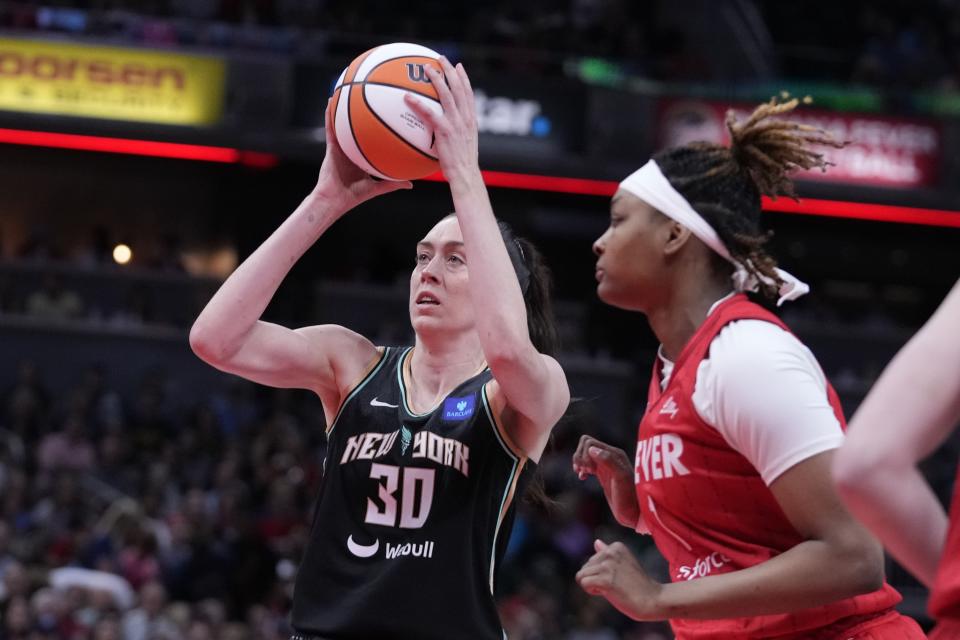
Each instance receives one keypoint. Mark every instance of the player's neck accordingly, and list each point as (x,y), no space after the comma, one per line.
(436,366)
(684,311)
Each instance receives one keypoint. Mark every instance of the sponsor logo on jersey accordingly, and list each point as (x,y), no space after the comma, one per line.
(459,408)
(362,550)
(659,457)
(670,408)
(703,566)
(377,403)
(422,550)
(391,551)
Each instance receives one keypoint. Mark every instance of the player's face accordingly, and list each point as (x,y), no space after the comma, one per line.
(629,266)
(439,294)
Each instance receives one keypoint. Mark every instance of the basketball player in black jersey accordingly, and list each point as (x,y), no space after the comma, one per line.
(430,445)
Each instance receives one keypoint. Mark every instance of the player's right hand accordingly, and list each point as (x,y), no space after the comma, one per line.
(344,184)
(612,468)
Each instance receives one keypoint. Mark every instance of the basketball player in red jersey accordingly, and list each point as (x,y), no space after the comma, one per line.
(732,467)
(909,413)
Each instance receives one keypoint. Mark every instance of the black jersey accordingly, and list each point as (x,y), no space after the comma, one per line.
(414,514)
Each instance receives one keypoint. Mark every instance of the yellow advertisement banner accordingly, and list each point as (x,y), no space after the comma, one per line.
(110,82)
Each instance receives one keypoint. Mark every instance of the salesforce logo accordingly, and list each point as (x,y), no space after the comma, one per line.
(509,117)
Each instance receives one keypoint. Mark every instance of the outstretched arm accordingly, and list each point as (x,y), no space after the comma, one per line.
(909,412)
(229,334)
(533,384)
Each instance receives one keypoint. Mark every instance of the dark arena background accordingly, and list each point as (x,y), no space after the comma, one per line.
(147,147)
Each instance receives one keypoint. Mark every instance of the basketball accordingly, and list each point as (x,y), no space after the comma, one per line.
(374,126)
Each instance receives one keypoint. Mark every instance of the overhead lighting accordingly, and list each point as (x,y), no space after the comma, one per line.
(502,179)
(806,206)
(127,146)
(864,211)
(122,254)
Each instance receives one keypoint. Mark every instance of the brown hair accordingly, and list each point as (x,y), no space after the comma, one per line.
(536,284)
(724,184)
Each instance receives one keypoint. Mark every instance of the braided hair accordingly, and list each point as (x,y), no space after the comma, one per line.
(724,184)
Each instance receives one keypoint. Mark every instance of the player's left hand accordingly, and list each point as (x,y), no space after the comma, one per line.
(455,130)
(613,572)
(342,183)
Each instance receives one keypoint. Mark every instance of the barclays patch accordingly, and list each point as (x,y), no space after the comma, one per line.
(459,408)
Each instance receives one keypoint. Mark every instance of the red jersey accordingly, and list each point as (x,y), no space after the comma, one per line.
(945,596)
(707,507)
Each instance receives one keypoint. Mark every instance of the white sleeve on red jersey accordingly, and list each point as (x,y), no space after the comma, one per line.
(764,391)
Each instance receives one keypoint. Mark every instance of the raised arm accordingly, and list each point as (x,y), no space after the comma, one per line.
(909,412)
(229,334)
(532,384)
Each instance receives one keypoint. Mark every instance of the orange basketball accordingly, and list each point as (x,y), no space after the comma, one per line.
(374,126)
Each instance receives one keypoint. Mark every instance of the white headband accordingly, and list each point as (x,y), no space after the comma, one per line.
(650,185)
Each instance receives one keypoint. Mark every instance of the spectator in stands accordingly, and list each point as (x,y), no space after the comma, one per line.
(148,621)
(67,449)
(54,301)
(15,583)
(17,621)
(25,411)
(107,627)
(46,608)
(98,251)
(39,246)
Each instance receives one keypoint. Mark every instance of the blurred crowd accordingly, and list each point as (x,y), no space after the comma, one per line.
(54,284)
(895,44)
(41,279)
(137,518)
(537,35)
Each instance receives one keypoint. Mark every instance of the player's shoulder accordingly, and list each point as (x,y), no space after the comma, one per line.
(753,348)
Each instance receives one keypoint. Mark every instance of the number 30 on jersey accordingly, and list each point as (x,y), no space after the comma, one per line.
(415,499)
